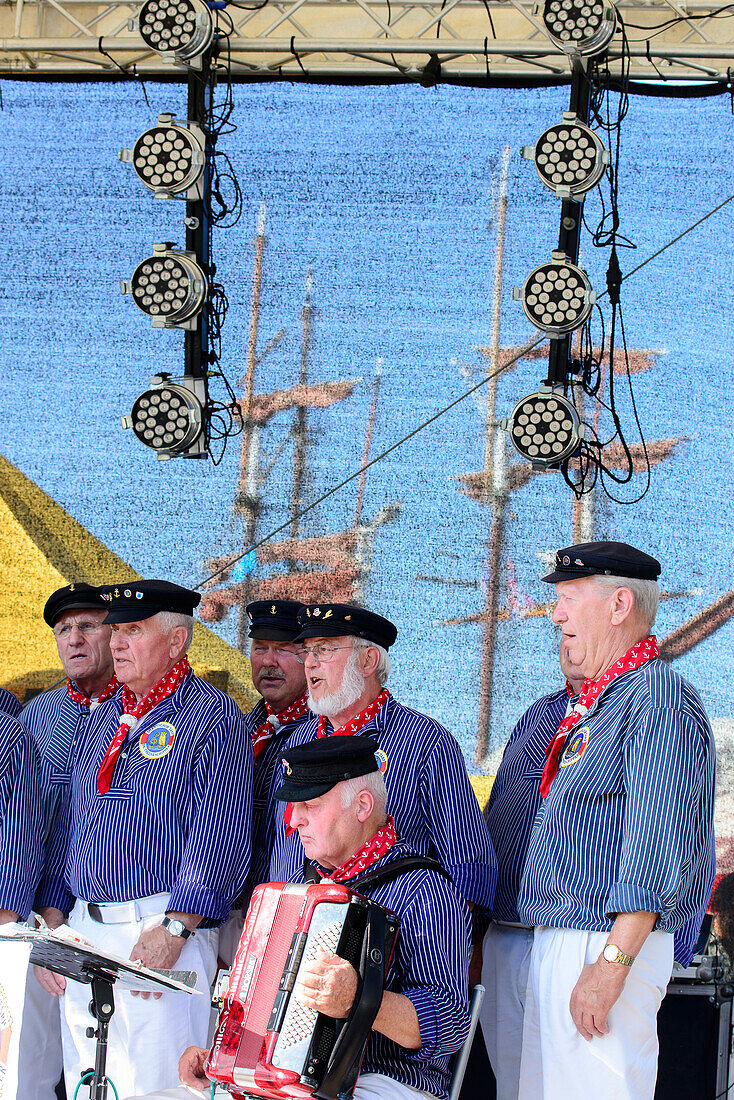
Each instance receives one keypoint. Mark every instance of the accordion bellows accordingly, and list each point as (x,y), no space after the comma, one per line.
(266,1043)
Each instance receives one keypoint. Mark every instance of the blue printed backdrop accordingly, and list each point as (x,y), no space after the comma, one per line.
(387,194)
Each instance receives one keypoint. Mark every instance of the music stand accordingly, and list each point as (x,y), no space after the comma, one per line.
(81,962)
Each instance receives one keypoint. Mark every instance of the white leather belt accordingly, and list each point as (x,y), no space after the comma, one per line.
(125,912)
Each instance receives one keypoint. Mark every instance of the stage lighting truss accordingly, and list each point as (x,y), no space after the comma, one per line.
(170,417)
(179,30)
(569,158)
(556,297)
(169,286)
(544,427)
(578,27)
(170,158)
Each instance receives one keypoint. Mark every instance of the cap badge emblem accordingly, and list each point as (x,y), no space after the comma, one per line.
(328,614)
(127,594)
(287,767)
(566,559)
(117,593)
(138,595)
(577,561)
(347,618)
(272,609)
(106,595)
(72,587)
(316,612)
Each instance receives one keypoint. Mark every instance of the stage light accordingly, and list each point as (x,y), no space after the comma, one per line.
(544,427)
(179,30)
(169,159)
(170,418)
(580,26)
(169,286)
(569,157)
(557,297)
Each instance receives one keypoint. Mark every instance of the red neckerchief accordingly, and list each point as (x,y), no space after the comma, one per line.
(86,700)
(273,722)
(638,655)
(371,851)
(133,712)
(352,727)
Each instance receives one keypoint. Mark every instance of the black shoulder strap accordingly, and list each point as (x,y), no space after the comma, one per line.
(386,873)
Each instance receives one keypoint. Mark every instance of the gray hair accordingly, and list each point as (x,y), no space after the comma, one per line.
(645,594)
(168,620)
(384,664)
(373,782)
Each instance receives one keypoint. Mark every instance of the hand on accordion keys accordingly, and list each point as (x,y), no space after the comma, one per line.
(191,1068)
(327,984)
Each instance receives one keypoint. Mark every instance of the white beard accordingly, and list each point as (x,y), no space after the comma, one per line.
(346,695)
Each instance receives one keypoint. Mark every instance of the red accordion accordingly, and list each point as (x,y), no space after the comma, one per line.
(266,1043)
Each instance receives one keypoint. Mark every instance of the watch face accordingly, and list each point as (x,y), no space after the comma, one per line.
(610,953)
(175,927)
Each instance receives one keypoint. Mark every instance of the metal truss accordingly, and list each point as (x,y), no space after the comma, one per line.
(368,40)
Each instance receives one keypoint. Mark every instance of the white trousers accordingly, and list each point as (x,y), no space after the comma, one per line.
(370,1086)
(40,1060)
(505,969)
(557,1063)
(146,1037)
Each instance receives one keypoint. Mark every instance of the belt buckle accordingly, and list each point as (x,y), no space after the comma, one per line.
(95,912)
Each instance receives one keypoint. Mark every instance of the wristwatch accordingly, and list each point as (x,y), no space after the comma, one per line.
(175,927)
(613,955)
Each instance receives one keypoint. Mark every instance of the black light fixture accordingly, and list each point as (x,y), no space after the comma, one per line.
(579,27)
(170,158)
(179,30)
(569,157)
(557,296)
(544,427)
(170,417)
(169,287)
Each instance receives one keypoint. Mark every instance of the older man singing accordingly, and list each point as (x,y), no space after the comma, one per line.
(156,843)
(619,857)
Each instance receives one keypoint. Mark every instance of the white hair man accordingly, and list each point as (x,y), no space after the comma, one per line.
(619,857)
(344,650)
(156,843)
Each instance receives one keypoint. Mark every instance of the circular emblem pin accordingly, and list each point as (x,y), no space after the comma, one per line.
(566,559)
(576,747)
(381,758)
(127,594)
(157,741)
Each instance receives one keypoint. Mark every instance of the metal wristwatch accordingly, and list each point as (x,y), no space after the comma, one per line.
(175,927)
(613,955)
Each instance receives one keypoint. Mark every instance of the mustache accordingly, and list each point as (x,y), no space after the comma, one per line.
(271,673)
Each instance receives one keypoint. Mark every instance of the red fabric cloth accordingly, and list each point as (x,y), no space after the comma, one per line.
(85,700)
(133,712)
(352,727)
(263,733)
(637,655)
(371,851)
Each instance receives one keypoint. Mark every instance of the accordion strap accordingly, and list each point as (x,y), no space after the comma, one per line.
(386,873)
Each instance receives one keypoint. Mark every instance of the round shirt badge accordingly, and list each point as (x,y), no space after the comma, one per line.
(381,758)
(157,741)
(576,747)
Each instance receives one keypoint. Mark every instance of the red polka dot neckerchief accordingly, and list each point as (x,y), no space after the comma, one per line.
(636,656)
(371,851)
(86,700)
(273,722)
(133,712)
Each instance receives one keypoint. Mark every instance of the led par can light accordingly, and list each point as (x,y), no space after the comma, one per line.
(556,297)
(170,158)
(569,157)
(583,27)
(179,30)
(169,287)
(544,427)
(169,417)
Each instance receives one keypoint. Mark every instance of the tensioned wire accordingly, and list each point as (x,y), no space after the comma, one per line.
(447,408)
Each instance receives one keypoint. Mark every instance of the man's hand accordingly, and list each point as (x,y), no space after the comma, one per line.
(191,1068)
(158,949)
(53,983)
(594,994)
(327,984)
(54,918)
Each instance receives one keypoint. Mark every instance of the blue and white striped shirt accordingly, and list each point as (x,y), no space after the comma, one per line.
(55,722)
(429,795)
(177,817)
(430,967)
(263,814)
(9,703)
(628,822)
(21,844)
